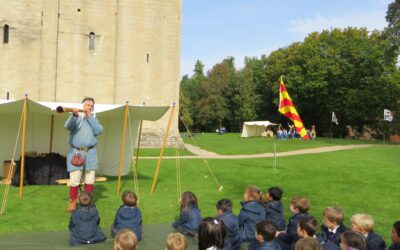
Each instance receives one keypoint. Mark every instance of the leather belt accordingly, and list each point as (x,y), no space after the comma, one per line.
(82,148)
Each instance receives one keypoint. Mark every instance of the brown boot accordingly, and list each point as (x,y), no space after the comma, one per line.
(72,206)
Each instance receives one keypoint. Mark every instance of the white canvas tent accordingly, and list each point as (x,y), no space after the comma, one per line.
(45,130)
(251,129)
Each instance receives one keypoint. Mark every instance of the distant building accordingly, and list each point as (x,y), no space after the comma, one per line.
(113,50)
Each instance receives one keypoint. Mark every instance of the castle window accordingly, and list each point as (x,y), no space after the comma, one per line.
(6,34)
(92,35)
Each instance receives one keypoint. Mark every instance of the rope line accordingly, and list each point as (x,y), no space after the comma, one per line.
(135,178)
(7,188)
(220,187)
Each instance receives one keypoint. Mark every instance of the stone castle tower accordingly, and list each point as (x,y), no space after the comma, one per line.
(113,50)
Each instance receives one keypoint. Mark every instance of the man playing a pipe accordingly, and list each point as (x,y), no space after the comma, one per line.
(84,129)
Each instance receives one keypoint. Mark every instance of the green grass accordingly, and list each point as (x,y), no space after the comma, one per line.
(359,180)
(232,144)
(156,152)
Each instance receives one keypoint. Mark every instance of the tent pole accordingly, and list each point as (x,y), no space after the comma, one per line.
(153,186)
(121,158)
(136,161)
(21,174)
(51,133)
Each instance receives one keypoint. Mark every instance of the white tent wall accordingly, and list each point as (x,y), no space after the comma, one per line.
(38,132)
(255,128)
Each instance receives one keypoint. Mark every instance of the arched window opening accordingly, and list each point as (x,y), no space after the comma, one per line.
(92,35)
(6,33)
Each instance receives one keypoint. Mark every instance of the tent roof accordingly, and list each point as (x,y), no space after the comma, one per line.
(259,123)
(140,112)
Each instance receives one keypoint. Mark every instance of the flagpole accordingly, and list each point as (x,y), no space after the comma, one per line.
(331,131)
(383,132)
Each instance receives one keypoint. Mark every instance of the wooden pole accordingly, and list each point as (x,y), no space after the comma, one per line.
(153,186)
(121,158)
(21,175)
(51,133)
(136,162)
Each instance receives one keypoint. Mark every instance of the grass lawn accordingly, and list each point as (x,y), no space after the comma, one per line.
(232,144)
(359,180)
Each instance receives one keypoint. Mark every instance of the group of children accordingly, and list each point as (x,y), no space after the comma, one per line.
(260,223)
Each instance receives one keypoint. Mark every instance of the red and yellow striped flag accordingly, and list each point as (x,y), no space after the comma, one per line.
(286,107)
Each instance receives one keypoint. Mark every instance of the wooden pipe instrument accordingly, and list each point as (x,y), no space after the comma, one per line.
(61,109)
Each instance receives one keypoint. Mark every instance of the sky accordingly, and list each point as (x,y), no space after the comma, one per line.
(213,30)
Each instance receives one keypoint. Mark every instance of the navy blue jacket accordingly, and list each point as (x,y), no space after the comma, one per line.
(266,245)
(128,217)
(274,211)
(232,229)
(290,237)
(84,226)
(394,247)
(189,221)
(251,213)
(375,242)
(326,236)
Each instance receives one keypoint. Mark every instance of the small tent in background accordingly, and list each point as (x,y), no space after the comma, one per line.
(45,130)
(251,129)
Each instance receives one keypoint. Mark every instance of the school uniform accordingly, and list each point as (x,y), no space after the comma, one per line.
(251,213)
(232,230)
(331,235)
(128,217)
(189,221)
(84,226)
(266,245)
(394,247)
(375,242)
(286,240)
(274,214)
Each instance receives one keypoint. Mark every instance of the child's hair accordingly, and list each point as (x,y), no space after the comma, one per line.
(252,193)
(308,244)
(275,193)
(211,233)
(266,229)
(309,225)
(188,199)
(334,214)
(301,203)
(125,240)
(396,227)
(225,205)
(129,198)
(354,240)
(176,241)
(363,221)
(85,199)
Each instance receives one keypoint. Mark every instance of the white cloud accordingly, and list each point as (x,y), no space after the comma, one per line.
(370,20)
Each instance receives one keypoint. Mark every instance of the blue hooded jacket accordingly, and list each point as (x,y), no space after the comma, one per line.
(232,229)
(128,217)
(290,237)
(251,213)
(189,221)
(274,211)
(84,226)
(266,245)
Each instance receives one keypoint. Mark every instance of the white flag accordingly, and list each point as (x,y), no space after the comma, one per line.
(387,115)
(334,118)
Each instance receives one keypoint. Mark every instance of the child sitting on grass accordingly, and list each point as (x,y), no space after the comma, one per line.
(224,210)
(395,236)
(252,212)
(84,222)
(352,240)
(128,216)
(274,207)
(308,244)
(265,236)
(307,228)
(333,225)
(176,241)
(211,234)
(125,240)
(364,224)
(189,217)
(298,207)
